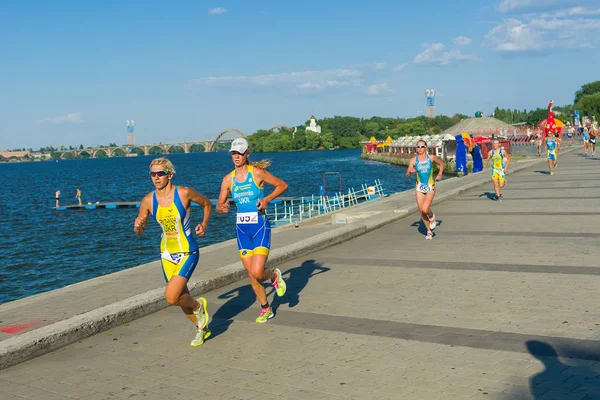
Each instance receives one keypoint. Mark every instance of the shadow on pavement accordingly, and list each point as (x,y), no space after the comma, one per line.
(241,298)
(576,380)
(543,172)
(422,229)
(296,279)
(489,195)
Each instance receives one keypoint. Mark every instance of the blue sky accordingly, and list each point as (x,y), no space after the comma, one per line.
(72,72)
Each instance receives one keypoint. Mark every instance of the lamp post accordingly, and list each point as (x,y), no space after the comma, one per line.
(130,124)
(430,98)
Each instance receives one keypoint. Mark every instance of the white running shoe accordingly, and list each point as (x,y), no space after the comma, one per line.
(432,222)
(429,235)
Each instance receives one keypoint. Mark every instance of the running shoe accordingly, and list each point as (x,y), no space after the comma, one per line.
(279,283)
(201,336)
(202,314)
(432,222)
(429,235)
(265,315)
(551,173)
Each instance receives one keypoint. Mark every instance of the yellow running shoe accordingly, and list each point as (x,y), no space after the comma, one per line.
(279,283)
(202,313)
(201,336)
(265,315)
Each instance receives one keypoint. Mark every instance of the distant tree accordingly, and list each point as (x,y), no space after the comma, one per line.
(327,140)
(589,105)
(587,89)
(371,129)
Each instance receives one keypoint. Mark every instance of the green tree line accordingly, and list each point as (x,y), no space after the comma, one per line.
(343,132)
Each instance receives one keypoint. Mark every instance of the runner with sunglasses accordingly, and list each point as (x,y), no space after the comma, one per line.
(170,206)
(246,186)
(422,165)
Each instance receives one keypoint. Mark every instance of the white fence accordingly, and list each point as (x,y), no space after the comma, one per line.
(300,208)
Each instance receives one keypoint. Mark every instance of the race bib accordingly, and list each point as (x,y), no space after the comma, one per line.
(247,218)
(423,187)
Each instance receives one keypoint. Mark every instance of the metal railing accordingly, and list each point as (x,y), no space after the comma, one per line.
(297,209)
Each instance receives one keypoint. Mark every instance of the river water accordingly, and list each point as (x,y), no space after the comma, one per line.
(42,249)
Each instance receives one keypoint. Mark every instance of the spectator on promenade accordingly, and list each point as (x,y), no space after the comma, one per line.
(246,184)
(78,195)
(499,168)
(170,206)
(422,166)
(57,196)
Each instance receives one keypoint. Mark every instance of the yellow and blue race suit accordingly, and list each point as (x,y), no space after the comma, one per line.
(179,250)
(498,165)
(425,181)
(252,226)
(551,146)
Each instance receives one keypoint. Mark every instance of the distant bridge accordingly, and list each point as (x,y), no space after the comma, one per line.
(226,136)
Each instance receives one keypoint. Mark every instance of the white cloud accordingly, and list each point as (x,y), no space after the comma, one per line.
(341,83)
(462,41)
(289,78)
(569,12)
(435,54)
(217,11)
(511,6)
(309,85)
(380,65)
(73,118)
(400,67)
(379,88)
(542,34)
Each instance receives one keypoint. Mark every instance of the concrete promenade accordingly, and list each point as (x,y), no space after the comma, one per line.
(502,304)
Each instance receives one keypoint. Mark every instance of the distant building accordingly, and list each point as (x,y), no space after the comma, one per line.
(17,154)
(40,155)
(312,126)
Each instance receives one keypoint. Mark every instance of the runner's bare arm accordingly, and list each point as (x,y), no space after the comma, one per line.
(142,219)
(411,167)
(439,162)
(487,160)
(280,186)
(193,196)
(508,159)
(222,203)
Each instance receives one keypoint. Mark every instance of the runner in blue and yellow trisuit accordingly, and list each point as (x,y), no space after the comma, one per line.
(246,186)
(499,168)
(552,153)
(170,206)
(422,165)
